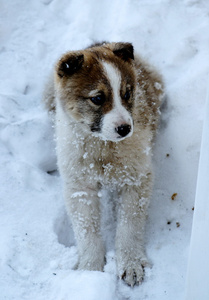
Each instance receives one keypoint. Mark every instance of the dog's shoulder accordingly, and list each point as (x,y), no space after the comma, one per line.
(149,79)
(150,91)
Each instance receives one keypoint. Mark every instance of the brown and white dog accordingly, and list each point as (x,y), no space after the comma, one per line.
(106,102)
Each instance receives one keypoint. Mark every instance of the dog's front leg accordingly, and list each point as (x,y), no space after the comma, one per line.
(83,208)
(131,258)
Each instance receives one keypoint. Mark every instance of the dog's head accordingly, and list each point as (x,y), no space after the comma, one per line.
(96,87)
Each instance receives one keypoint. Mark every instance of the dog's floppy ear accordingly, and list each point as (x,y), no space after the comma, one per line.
(124,50)
(69,64)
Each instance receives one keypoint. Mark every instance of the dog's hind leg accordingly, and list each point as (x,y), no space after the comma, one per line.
(131,257)
(83,208)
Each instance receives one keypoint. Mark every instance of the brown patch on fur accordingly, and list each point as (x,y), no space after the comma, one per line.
(113,54)
(75,88)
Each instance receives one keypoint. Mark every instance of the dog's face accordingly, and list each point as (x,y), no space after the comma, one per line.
(96,87)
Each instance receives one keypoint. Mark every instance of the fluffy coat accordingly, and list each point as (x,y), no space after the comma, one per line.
(106,103)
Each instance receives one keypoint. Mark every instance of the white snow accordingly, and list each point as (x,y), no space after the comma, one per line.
(38,250)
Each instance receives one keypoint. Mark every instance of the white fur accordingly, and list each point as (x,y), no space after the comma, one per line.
(118,115)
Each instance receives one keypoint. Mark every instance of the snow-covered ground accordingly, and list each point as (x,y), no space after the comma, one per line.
(37,247)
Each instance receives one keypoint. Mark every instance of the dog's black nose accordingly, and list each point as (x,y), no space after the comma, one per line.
(123,130)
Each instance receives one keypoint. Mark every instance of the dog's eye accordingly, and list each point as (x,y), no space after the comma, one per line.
(98,100)
(127,95)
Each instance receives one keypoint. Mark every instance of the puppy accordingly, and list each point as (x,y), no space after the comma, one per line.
(106,102)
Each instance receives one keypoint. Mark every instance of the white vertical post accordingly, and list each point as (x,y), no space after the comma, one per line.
(197,282)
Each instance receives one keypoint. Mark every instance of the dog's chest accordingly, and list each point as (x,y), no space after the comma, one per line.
(108,164)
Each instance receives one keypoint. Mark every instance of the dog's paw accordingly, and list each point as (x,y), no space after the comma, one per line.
(92,259)
(133,274)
